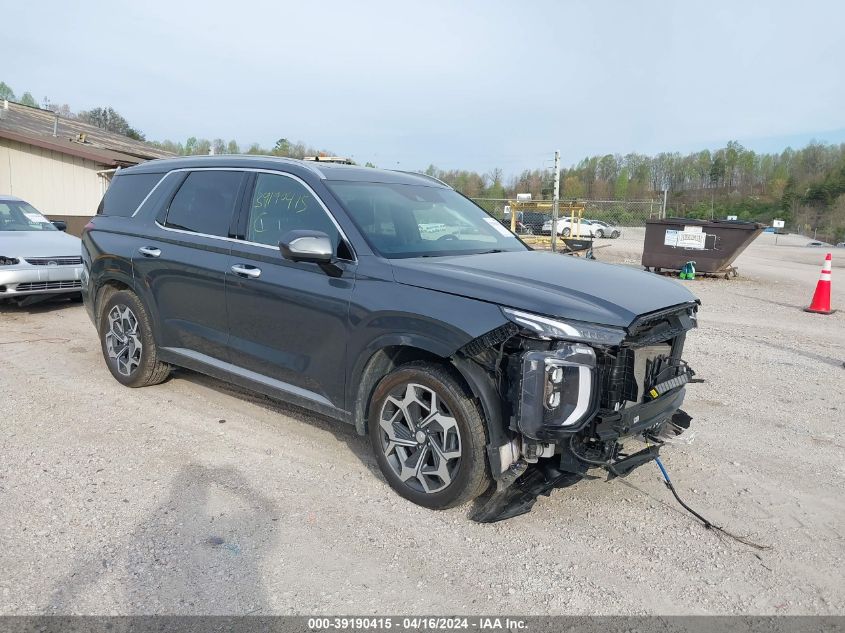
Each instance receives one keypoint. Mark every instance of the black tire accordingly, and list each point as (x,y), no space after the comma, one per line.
(470,474)
(614,235)
(148,370)
(599,233)
(566,232)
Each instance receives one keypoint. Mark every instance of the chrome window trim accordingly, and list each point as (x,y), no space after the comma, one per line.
(144,201)
(258,170)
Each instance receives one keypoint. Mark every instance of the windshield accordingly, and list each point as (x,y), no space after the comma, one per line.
(16,215)
(419,221)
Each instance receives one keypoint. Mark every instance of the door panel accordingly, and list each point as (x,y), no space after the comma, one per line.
(187,284)
(182,261)
(290,322)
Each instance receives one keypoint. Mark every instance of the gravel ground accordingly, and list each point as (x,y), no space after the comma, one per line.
(194,497)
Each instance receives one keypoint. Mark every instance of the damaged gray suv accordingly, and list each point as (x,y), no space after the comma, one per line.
(389,301)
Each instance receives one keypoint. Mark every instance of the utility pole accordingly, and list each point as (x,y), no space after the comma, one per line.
(556,200)
(663,211)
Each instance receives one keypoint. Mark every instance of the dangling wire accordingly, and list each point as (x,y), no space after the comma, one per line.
(707,524)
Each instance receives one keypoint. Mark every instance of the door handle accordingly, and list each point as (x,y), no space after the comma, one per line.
(251,271)
(149,251)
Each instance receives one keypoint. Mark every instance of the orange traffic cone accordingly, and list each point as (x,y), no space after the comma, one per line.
(821,298)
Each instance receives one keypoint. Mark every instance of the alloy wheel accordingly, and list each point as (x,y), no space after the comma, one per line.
(123,343)
(420,438)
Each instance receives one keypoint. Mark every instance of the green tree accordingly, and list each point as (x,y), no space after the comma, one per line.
(203,147)
(282,148)
(111,120)
(717,171)
(620,190)
(28,100)
(6,92)
(572,188)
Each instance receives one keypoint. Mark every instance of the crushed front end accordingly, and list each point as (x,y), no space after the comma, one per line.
(578,396)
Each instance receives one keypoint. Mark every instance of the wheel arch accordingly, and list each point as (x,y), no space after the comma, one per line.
(475,379)
(106,287)
(113,282)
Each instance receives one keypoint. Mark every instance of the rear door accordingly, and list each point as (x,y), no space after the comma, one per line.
(182,262)
(288,320)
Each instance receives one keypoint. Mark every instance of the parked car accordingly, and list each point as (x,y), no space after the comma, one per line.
(565,227)
(37,260)
(840,245)
(527,222)
(532,221)
(465,357)
(521,229)
(603,229)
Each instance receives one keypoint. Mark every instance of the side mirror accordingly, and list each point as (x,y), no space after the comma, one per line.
(307,246)
(59,224)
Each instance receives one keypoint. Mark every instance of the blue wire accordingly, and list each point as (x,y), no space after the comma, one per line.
(663,470)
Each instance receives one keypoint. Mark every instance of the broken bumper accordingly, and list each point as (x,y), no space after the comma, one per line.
(634,420)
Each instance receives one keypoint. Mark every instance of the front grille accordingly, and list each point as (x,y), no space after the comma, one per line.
(49,285)
(55,261)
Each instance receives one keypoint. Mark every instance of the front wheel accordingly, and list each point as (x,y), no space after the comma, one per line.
(599,233)
(566,232)
(429,437)
(614,235)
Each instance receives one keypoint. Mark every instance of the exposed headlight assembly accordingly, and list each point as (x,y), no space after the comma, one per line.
(548,328)
(557,390)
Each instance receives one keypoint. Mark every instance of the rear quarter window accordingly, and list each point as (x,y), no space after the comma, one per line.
(126,193)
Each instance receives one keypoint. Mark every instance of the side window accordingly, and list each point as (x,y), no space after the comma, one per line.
(205,202)
(281,204)
(126,192)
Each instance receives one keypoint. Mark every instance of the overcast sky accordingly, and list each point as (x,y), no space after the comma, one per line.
(458,84)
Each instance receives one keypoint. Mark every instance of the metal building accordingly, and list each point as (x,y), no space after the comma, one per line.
(62,166)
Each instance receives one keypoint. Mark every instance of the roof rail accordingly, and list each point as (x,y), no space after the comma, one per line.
(303,163)
(422,175)
(294,161)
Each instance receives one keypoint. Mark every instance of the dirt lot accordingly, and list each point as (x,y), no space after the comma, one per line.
(193,497)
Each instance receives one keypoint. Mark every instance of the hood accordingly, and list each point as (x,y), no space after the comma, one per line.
(39,244)
(546,283)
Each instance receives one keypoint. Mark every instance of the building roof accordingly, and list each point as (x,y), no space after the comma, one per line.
(34,126)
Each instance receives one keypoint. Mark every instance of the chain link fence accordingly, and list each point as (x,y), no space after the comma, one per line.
(617,227)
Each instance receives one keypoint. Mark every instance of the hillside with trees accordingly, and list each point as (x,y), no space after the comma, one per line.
(805,187)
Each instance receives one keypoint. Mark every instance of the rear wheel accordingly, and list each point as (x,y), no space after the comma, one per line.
(127,342)
(429,437)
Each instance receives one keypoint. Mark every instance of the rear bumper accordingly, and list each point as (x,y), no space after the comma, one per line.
(30,280)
